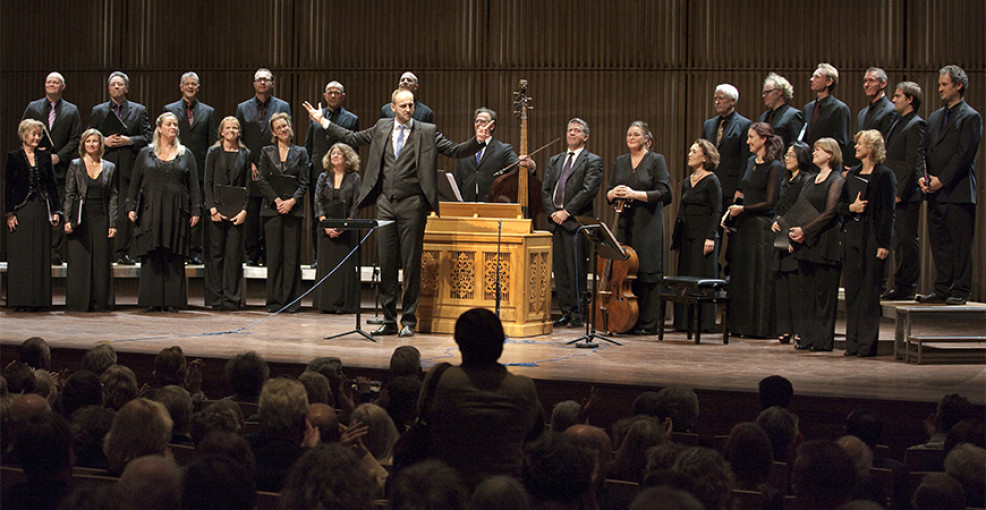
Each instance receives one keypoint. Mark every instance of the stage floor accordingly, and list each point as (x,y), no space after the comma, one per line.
(641,361)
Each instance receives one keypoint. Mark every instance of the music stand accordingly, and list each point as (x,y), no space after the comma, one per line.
(354,224)
(604,244)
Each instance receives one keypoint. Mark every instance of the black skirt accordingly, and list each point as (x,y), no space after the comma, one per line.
(340,292)
(751,287)
(89,280)
(29,257)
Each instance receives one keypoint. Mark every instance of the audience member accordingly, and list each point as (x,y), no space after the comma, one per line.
(119,386)
(331,368)
(868,427)
(862,458)
(283,407)
(328,476)
(220,416)
(665,498)
(631,457)
(823,475)
(967,464)
(661,458)
(213,482)
(81,389)
(19,377)
(246,374)
(557,471)
(231,446)
(179,405)
(43,449)
(596,440)
(970,430)
(94,495)
(775,390)
(324,418)
(781,427)
(35,352)
(151,482)
(90,424)
(645,404)
(678,404)
(400,398)
(99,358)
(45,385)
(170,367)
(564,414)
(316,386)
(405,362)
(381,435)
(939,491)
(428,485)
(141,427)
(952,409)
(750,456)
(23,408)
(713,478)
(499,492)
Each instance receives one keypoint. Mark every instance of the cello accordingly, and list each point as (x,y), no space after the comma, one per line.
(516,186)
(616,304)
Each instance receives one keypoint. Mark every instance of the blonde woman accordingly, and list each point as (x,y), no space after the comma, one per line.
(164,202)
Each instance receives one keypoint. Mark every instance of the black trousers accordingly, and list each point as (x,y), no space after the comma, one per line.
(821,299)
(253,234)
(58,245)
(223,284)
(950,230)
(400,244)
(570,269)
(124,227)
(863,273)
(283,236)
(907,247)
(789,291)
(162,279)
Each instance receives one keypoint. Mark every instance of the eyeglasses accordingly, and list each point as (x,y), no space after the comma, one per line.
(263,79)
(789,155)
(768,91)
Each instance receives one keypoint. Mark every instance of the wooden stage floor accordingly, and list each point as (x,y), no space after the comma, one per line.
(641,361)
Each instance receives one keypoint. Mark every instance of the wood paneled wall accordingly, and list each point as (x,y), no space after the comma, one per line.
(609,63)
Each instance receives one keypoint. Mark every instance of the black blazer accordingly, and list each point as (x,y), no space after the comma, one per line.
(296,166)
(65,132)
(470,175)
(905,155)
(139,130)
(879,213)
(733,150)
(253,133)
(951,153)
(421,112)
(349,191)
(879,115)
(18,180)
(318,145)
(429,142)
(238,175)
(75,190)
(832,122)
(580,189)
(787,122)
(201,134)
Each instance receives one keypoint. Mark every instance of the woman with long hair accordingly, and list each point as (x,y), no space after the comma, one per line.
(336,190)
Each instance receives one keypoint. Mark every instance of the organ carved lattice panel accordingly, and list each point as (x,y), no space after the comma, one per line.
(489,276)
(462,274)
(429,273)
(538,282)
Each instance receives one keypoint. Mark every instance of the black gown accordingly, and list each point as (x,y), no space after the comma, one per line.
(89,279)
(751,290)
(340,292)
(701,208)
(31,194)
(641,226)
(167,193)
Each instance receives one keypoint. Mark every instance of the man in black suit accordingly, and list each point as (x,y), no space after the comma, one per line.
(61,119)
(254,115)
(199,129)
(826,116)
(571,183)
(123,137)
(401,179)
(905,156)
(785,119)
(879,112)
(949,187)
(728,130)
(318,145)
(474,174)
(409,82)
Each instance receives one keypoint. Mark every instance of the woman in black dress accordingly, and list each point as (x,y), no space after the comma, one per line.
(339,184)
(641,181)
(164,202)
(868,207)
(818,248)
(31,209)
(283,179)
(750,289)
(91,206)
(788,289)
(227,166)
(696,232)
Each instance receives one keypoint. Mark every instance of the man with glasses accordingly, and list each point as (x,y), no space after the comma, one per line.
(786,120)
(474,174)
(409,81)
(727,131)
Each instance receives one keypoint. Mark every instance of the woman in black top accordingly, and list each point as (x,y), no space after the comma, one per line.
(165,203)
(283,179)
(697,237)
(31,209)
(338,184)
(818,248)
(787,283)
(91,197)
(641,181)
(227,166)
(750,288)
(868,207)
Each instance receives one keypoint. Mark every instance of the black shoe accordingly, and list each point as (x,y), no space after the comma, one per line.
(801,347)
(406,331)
(575,322)
(314,265)
(819,349)
(194,260)
(898,295)
(955,301)
(151,309)
(56,261)
(784,339)
(171,309)
(864,355)
(561,321)
(931,298)
(847,354)
(644,332)
(385,329)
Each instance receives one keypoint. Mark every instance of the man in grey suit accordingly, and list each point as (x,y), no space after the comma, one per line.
(949,186)
(401,179)
(879,112)
(318,145)
(126,129)
(571,183)
(61,119)
(785,119)
(826,116)
(474,174)
(905,156)
(409,81)
(199,129)
(254,115)
(728,131)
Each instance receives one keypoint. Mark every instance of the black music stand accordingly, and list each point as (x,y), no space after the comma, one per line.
(355,224)
(604,244)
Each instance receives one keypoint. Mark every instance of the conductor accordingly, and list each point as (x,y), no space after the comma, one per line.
(401,179)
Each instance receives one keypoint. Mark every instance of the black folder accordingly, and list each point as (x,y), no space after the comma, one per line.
(230,200)
(112,125)
(799,215)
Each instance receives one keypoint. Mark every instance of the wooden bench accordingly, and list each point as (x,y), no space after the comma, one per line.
(950,334)
(694,291)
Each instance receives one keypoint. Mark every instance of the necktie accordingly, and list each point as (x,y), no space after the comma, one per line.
(51,116)
(944,121)
(261,113)
(190,113)
(560,189)
(400,142)
(479,155)
(117,109)
(722,123)
(814,113)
